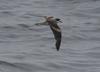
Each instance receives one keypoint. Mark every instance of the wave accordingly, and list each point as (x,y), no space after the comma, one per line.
(20,67)
(8,27)
(20,27)
(11,67)
(24,25)
(6,14)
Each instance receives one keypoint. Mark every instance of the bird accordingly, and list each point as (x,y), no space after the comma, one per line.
(52,22)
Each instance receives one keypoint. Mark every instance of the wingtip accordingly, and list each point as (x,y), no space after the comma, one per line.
(57,49)
(58,42)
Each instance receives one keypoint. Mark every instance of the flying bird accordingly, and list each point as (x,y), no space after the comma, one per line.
(52,22)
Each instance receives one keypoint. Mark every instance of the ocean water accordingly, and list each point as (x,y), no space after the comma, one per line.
(25,47)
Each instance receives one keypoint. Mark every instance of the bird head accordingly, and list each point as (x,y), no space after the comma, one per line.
(58,20)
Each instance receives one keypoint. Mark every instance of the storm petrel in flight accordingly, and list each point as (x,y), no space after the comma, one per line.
(52,22)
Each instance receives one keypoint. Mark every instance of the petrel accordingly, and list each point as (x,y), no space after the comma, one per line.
(52,22)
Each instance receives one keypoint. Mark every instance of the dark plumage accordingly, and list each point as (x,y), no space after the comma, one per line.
(57,36)
(56,31)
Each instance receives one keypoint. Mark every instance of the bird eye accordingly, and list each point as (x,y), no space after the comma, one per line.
(57,19)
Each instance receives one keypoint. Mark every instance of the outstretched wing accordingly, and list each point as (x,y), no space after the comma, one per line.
(58,42)
(57,35)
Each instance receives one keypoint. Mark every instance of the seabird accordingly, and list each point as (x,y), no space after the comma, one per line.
(52,22)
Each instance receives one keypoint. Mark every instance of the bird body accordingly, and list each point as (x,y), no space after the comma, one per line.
(52,22)
(56,31)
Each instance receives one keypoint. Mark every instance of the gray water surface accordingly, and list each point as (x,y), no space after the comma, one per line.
(25,47)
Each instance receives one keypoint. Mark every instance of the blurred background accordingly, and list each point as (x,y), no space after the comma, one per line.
(25,47)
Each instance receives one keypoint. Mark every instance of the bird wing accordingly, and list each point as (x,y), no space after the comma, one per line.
(56,29)
(57,35)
